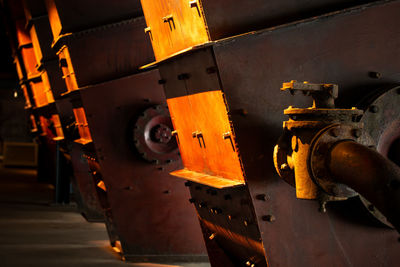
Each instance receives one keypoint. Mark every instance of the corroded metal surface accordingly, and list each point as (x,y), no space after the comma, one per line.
(174,26)
(344,49)
(73,15)
(152,216)
(113,50)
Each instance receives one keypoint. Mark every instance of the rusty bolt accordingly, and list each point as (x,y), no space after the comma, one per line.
(212,236)
(268,218)
(322,206)
(262,197)
(203,205)
(374,75)
(217,210)
(357,133)
(374,109)
(285,167)
(334,132)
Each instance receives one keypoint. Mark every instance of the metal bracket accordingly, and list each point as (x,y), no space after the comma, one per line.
(168,19)
(148,30)
(195,4)
(175,133)
(228,135)
(199,135)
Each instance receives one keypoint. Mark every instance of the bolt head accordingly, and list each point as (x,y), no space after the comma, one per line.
(334,132)
(262,197)
(375,75)
(357,133)
(374,109)
(285,167)
(269,218)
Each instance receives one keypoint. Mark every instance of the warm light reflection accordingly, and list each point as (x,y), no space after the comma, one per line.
(82,125)
(206,139)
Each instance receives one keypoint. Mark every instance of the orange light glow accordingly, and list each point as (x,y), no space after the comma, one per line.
(57,125)
(206,139)
(83,126)
(174,26)
(102,186)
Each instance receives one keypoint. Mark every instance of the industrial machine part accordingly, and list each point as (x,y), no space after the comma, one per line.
(174,26)
(306,128)
(68,16)
(322,148)
(40,76)
(112,51)
(381,122)
(142,202)
(245,71)
(128,127)
(153,136)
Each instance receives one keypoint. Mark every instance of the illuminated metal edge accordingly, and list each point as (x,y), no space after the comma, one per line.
(206,179)
(179,53)
(83,141)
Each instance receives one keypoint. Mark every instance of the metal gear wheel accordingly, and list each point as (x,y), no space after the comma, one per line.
(153,136)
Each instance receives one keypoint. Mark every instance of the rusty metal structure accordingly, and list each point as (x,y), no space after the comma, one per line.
(188,95)
(42,85)
(110,93)
(224,100)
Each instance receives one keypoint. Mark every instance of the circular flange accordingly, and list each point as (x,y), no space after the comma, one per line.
(382,122)
(153,138)
(322,143)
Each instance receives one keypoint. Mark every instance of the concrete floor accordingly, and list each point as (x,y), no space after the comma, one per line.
(33,232)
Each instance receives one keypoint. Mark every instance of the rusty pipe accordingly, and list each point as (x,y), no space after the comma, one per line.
(369,173)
